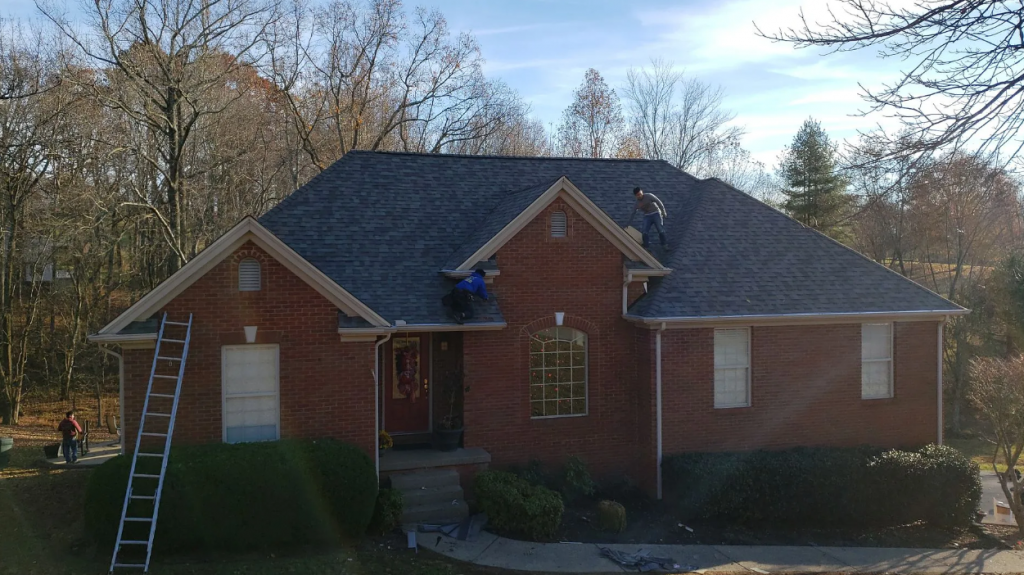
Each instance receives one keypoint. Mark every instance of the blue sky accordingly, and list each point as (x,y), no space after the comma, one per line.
(543,47)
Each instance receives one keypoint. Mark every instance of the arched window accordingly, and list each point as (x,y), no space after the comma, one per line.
(248,275)
(558,372)
(559,227)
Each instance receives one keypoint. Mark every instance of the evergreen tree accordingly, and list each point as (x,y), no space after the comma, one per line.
(815,194)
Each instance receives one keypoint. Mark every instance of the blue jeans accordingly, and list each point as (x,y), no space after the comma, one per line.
(70,448)
(653,220)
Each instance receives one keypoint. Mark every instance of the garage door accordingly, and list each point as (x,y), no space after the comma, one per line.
(250,386)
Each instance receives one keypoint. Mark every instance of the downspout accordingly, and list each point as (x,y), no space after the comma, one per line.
(657,394)
(376,400)
(120,391)
(938,371)
(625,292)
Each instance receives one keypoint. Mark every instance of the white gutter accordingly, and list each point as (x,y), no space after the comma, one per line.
(625,292)
(121,337)
(657,395)
(938,377)
(376,401)
(120,392)
(846,316)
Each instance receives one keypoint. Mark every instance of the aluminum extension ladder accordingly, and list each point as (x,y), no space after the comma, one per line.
(141,497)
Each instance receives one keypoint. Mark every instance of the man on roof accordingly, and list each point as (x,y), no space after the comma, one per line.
(460,300)
(654,215)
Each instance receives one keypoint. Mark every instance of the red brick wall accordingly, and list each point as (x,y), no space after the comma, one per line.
(805,390)
(580,275)
(326,387)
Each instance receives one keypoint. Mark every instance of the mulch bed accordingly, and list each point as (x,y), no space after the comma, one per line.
(654,522)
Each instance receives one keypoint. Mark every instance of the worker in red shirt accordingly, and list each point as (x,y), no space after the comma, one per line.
(70,429)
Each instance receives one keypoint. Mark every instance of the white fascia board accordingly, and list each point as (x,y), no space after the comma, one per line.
(246,230)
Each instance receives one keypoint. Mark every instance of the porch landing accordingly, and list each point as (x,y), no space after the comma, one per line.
(403,460)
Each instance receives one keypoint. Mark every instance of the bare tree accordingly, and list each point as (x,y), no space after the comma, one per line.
(592,123)
(165,65)
(678,119)
(964,81)
(998,394)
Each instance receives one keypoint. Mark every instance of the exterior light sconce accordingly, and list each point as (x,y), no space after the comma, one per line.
(250,333)
(559,317)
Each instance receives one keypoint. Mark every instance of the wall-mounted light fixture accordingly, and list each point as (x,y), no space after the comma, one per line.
(250,333)
(559,317)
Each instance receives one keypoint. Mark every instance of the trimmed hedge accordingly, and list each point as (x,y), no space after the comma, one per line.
(516,507)
(825,487)
(243,496)
(387,514)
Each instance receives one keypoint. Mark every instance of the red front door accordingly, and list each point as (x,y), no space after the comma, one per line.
(407,384)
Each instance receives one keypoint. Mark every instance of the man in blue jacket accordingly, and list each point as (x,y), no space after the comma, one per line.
(461,297)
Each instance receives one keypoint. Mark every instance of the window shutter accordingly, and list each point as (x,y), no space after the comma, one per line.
(249,275)
(558,225)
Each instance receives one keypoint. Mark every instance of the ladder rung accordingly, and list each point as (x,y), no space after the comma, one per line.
(169,322)
(158,414)
(140,454)
(139,519)
(131,565)
(168,358)
(165,376)
(154,434)
(132,542)
(173,340)
(146,475)
(161,395)
(149,497)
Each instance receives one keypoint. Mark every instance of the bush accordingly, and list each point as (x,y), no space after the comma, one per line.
(387,514)
(611,516)
(243,496)
(517,508)
(825,487)
(576,480)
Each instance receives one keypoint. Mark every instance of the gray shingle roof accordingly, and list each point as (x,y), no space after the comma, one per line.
(383,225)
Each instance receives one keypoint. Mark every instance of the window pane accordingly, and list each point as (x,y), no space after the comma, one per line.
(558,372)
(875,379)
(579,406)
(731,387)
(875,341)
(731,347)
(537,409)
(536,360)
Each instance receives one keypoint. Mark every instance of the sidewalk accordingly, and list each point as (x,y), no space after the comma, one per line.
(494,551)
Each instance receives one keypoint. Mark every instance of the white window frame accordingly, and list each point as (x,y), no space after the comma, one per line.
(259,275)
(223,388)
(747,402)
(890,393)
(586,376)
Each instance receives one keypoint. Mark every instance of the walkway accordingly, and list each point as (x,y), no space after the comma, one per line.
(495,551)
(98,454)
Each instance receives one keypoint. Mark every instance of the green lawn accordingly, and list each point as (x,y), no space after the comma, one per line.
(979,450)
(41,533)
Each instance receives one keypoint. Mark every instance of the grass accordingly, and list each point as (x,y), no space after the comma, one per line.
(980,451)
(42,534)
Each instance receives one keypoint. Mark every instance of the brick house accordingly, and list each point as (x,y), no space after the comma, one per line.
(753,331)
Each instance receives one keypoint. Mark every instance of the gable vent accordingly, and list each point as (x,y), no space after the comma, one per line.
(248,275)
(558,225)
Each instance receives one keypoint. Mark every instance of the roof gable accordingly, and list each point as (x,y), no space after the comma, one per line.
(561,188)
(246,230)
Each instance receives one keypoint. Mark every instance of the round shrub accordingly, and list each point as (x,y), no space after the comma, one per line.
(387,514)
(517,508)
(825,487)
(243,496)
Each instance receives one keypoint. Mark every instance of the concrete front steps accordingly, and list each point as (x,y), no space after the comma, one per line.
(430,496)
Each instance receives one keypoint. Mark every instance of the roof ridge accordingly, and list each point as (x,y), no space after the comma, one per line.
(731,189)
(501,157)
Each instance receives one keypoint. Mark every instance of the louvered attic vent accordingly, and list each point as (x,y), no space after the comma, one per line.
(248,275)
(558,225)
